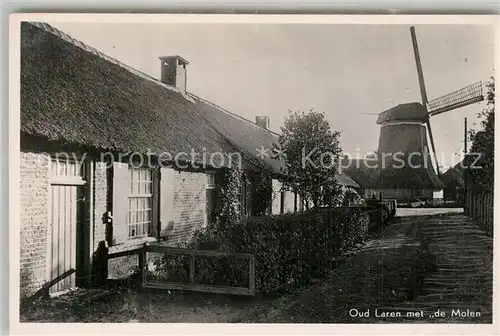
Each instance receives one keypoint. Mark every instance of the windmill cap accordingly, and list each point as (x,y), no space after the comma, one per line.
(404,112)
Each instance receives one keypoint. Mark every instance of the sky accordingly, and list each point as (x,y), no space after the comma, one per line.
(346,71)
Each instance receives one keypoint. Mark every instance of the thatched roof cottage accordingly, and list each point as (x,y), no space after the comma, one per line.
(108,116)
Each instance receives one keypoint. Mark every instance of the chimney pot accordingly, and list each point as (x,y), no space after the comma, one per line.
(174,72)
(262,121)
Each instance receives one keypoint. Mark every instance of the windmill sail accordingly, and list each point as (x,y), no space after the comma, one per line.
(468,95)
(423,92)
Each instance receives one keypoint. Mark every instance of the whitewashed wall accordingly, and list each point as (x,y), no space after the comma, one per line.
(289,199)
(276,202)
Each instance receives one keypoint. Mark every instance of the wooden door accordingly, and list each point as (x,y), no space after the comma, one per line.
(65,241)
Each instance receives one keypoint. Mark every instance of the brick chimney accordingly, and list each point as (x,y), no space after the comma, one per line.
(262,121)
(173,71)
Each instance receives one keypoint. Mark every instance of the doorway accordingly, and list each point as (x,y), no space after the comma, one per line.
(66,241)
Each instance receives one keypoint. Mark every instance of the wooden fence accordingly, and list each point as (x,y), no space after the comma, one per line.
(381,211)
(191,285)
(479,206)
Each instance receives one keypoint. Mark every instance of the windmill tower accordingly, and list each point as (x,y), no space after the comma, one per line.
(405,129)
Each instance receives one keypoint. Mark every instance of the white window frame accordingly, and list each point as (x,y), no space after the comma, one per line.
(76,177)
(211,182)
(210,185)
(145,224)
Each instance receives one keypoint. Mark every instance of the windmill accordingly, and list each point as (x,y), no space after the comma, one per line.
(468,95)
(405,128)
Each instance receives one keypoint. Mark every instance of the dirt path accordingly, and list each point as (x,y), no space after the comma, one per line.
(461,286)
(392,279)
(393,273)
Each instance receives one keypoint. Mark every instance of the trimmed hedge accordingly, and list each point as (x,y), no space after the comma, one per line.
(289,249)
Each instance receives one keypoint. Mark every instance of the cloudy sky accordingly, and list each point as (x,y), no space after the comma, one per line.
(342,70)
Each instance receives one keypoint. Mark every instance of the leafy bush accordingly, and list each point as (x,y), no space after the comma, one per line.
(289,249)
(351,197)
(481,161)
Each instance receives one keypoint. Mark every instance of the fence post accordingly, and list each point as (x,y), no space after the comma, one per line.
(475,207)
(251,275)
(466,202)
(469,209)
(482,211)
(488,212)
(470,204)
(491,211)
(191,268)
(142,265)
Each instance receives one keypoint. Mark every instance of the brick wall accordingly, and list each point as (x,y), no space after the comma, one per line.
(100,201)
(189,205)
(34,221)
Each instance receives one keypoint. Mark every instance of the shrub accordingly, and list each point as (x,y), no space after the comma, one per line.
(289,249)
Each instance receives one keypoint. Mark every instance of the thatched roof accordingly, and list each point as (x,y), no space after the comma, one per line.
(404,112)
(346,181)
(241,133)
(71,92)
(361,171)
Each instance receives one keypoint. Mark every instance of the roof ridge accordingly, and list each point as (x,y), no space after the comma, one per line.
(66,37)
(229,112)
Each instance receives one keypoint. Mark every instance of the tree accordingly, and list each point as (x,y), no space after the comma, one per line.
(373,155)
(310,150)
(480,173)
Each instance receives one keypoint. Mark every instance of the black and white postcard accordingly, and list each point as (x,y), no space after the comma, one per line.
(296,174)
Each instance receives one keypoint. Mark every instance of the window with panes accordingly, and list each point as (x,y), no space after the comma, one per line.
(241,196)
(140,203)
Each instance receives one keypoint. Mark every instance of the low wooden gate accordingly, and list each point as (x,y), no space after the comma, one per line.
(192,285)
